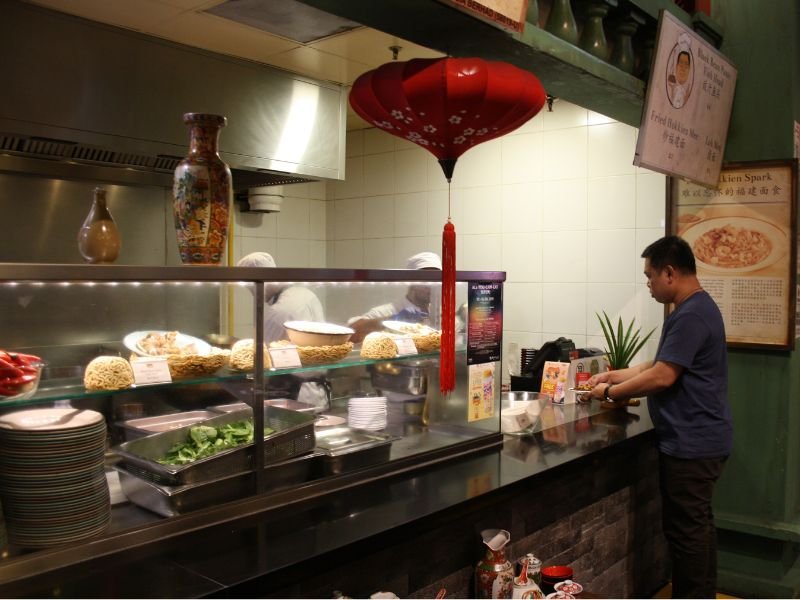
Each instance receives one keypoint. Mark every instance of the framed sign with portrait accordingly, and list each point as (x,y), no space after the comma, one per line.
(687,107)
(744,238)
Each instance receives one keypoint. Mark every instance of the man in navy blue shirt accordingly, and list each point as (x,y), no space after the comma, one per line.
(686,385)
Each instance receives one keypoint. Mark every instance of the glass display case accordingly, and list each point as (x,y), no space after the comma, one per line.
(152,381)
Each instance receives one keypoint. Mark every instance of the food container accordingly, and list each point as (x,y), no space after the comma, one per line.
(554,574)
(345,449)
(279,402)
(20,387)
(311,333)
(169,500)
(515,420)
(520,411)
(293,436)
(405,378)
(136,428)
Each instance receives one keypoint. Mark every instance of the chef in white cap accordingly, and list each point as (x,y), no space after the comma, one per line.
(288,303)
(414,307)
(281,302)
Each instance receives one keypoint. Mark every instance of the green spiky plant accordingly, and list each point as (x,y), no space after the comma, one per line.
(622,344)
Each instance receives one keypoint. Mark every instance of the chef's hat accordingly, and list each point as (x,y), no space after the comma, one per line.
(424,260)
(684,42)
(257,259)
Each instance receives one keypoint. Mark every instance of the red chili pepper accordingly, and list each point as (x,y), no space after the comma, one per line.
(4,391)
(21,380)
(6,366)
(19,357)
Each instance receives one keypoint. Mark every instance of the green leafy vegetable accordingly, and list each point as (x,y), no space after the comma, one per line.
(205,440)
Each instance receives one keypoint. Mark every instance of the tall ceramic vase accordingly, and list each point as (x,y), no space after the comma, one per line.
(202,193)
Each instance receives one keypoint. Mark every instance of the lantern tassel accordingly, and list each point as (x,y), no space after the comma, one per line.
(447,366)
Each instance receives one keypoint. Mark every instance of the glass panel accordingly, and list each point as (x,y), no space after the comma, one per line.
(393,400)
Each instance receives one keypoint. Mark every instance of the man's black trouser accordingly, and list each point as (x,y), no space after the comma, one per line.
(687,486)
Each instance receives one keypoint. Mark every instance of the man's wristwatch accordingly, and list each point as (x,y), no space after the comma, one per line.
(606,392)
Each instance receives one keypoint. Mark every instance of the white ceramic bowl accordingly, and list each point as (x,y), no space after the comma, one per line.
(312,333)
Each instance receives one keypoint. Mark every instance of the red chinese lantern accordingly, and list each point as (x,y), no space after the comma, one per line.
(447,106)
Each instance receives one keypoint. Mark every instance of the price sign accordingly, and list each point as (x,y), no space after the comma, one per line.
(405,345)
(285,357)
(150,371)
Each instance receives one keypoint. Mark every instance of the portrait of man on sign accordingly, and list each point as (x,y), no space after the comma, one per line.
(680,73)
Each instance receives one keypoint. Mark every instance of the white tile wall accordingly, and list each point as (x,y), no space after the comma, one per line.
(557,204)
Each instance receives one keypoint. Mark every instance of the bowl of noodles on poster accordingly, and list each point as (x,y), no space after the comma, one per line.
(736,244)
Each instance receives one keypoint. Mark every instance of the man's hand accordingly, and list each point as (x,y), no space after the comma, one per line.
(599,378)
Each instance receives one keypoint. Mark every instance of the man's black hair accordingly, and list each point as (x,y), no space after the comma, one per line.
(688,56)
(671,250)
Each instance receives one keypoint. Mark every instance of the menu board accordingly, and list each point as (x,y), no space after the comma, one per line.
(743,235)
(484,322)
(688,104)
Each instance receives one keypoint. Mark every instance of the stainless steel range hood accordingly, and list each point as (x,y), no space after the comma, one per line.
(87,93)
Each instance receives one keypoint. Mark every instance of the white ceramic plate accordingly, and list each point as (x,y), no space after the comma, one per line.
(403,327)
(318,327)
(49,419)
(132,340)
(776,237)
(329,421)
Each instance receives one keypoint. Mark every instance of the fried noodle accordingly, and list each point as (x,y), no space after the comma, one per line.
(732,247)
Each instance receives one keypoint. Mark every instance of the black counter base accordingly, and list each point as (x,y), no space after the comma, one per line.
(599,514)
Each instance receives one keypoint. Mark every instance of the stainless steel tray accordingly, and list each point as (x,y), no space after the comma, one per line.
(136,428)
(293,436)
(405,378)
(346,449)
(279,402)
(169,501)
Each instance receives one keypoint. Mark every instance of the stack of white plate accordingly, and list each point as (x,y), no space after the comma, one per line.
(367,413)
(52,481)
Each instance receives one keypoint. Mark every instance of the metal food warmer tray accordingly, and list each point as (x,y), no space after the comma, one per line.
(142,426)
(293,435)
(169,501)
(345,449)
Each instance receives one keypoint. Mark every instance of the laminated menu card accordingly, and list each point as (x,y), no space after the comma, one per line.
(554,380)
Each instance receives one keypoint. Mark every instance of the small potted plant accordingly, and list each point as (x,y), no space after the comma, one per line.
(621,344)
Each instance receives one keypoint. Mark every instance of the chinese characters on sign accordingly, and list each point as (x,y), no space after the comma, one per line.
(688,106)
(742,236)
(506,14)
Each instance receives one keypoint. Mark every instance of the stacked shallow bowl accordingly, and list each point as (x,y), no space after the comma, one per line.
(367,413)
(52,480)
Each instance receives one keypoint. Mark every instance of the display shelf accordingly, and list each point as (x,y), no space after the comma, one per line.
(72,389)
